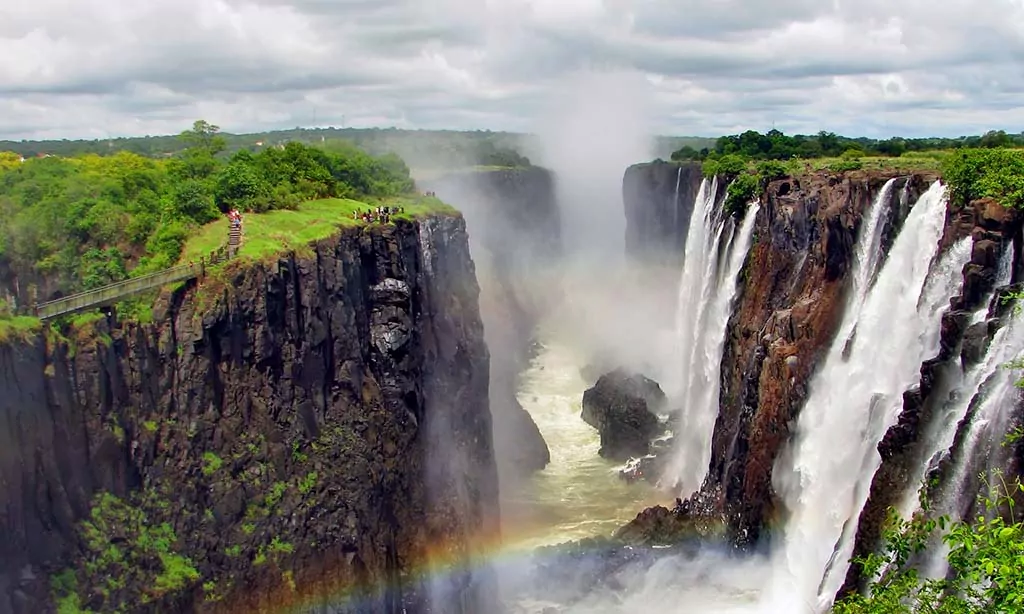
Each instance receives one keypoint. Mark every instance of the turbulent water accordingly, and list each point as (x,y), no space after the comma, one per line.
(579,494)
(891,324)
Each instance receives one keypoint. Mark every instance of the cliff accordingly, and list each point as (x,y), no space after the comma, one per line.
(515,235)
(659,197)
(309,430)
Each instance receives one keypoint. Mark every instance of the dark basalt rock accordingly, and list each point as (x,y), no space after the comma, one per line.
(623,406)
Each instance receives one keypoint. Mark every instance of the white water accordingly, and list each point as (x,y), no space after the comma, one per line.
(707,290)
(939,439)
(852,402)
(579,494)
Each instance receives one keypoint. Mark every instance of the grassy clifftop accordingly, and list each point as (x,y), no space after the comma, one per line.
(281,230)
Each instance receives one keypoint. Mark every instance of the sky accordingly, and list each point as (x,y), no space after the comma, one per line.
(99,68)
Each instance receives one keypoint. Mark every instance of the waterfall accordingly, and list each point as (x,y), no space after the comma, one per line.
(854,399)
(715,252)
(990,389)
(675,200)
(964,389)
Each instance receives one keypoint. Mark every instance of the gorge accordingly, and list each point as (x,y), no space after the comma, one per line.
(349,427)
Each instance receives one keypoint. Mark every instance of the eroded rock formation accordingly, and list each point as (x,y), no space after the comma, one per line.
(659,198)
(288,432)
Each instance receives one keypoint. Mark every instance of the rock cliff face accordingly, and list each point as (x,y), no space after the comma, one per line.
(290,433)
(790,303)
(659,198)
(515,236)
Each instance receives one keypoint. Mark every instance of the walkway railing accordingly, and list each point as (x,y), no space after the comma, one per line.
(123,289)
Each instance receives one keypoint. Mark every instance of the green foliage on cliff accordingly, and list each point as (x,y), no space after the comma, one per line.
(986,173)
(126,561)
(741,192)
(986,562)
(275,232)
(85,221)
(20,328)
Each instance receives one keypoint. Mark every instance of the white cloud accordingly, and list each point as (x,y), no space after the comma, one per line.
(94,68)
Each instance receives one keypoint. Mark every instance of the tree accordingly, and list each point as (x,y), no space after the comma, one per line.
(204,135)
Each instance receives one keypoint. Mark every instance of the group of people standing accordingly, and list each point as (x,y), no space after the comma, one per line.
(235,217)
(381,214)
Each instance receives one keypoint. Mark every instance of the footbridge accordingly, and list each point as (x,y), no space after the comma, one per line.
(112,293)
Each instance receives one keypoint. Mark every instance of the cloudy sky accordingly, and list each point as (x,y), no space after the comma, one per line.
(96,68)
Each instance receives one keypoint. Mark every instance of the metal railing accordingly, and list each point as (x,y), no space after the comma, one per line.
(114,292)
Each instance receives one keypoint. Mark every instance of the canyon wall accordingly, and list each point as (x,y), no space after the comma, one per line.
(659,198)
(515,236)
(313,430)
(791,300)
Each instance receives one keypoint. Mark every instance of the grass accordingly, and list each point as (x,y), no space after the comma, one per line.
(917,161)
(19,327)
(278,231)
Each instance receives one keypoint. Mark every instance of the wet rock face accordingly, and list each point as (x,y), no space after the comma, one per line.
(305,427)
(623,408)
(790,302)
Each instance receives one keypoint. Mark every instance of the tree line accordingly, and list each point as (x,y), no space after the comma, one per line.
(84,221)
(775,145)
(434,149)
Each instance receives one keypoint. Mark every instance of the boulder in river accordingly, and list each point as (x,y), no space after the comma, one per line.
(623,407)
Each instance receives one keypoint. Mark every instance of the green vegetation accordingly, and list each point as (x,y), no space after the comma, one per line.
(211,463)
(774,155)
(18,327)
(425,149)
(273,232)
(774,145)
(308,483)
(985,559)
(986,173)
(124,553)
(85,221)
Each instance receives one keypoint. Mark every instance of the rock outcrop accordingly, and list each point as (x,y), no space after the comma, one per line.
(515,236)
(624,408)
(282,434)
(992,229)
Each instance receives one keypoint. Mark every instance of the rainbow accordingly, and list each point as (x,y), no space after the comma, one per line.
(328,580)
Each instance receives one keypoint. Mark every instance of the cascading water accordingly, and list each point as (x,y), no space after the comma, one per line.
(675,199)
(854,399)
(715,252)
(939,439)
(991,389)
